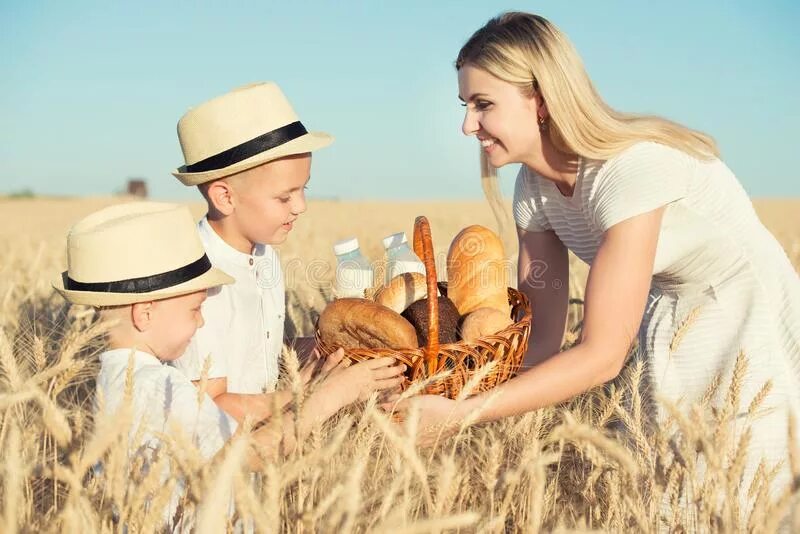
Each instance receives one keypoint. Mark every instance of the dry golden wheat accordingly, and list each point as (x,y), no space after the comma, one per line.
(594,463)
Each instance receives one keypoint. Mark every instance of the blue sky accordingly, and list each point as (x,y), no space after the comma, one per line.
(90,93)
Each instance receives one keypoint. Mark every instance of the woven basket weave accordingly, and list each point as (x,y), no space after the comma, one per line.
(464,358)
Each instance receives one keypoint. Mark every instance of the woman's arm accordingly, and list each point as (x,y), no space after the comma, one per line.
(616,294)
(543,275)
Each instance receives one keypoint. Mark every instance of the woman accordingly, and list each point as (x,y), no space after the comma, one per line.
(668,231)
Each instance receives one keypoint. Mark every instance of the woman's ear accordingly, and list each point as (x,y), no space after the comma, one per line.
(541,107)
(142,315)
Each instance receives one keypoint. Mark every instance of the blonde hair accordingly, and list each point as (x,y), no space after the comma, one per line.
(528,51)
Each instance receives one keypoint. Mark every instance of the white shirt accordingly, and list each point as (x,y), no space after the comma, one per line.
(163,400)
(243,331)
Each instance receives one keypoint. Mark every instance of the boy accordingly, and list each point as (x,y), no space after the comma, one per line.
(250,157)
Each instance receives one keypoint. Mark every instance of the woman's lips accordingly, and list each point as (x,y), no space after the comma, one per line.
(488,144)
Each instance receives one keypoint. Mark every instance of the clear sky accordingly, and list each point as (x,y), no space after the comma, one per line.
(90,93)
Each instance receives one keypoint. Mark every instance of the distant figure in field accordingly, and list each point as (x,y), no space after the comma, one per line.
(137,188)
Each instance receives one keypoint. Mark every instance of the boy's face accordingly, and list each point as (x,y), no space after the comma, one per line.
(269,198)
(172,324)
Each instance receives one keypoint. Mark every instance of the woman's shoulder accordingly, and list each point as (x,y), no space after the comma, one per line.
(646,153)
(644,162)
(640,178)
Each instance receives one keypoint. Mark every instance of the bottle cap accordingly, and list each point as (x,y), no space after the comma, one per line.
(395,239)
(345,245)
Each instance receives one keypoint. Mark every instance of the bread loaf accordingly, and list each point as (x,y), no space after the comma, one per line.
(477,274)
(417,315)
(483,322)
(402,291)
(352,322)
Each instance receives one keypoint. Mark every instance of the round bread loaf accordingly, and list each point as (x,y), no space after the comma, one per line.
(477,271)
(350,323)
(483,322)
(417,315)
(402,291)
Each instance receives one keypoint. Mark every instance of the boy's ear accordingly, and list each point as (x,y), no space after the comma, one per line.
(219,194)
(142,315)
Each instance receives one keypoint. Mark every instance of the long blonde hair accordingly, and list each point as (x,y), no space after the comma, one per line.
(528,51)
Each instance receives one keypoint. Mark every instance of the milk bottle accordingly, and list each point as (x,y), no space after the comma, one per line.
(353,270)
(399,257)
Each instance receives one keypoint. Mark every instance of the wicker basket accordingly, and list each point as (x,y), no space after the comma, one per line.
(464,358)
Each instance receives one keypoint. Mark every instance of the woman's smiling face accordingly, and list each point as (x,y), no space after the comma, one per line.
(499,115)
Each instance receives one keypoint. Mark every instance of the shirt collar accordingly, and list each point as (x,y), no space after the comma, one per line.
(219,247)
(140,358)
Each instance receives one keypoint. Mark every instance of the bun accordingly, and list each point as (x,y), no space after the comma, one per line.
(417,315)
(483,322)
(350,323)
(476,271)
(402,291)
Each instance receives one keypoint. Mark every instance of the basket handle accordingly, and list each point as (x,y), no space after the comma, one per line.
(423,248)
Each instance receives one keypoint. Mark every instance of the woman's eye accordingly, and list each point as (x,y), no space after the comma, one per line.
(480,105)
(285,199)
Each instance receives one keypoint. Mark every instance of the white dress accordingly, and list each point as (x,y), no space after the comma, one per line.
(713,256)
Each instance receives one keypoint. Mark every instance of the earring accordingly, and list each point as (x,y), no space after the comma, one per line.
(542,124)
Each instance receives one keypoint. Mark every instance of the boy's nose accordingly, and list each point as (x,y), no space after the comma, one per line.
(299,205)
(200,321)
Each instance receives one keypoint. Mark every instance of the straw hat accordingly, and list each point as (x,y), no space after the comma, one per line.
(239,130)
(135,252)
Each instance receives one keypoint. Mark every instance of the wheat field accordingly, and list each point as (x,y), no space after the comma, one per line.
(564,468)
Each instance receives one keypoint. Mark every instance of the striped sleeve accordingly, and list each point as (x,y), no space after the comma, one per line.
(642,178)
(527,205)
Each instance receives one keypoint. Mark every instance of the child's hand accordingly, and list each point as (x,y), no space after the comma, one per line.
(348,382)
(332,361)
(317,365)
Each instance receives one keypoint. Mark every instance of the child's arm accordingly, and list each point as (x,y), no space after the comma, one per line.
(345,384)
(261,406)
(258,406)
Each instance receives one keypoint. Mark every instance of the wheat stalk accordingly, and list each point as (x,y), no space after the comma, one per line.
(682,329)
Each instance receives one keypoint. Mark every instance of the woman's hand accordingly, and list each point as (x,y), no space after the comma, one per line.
(438,416)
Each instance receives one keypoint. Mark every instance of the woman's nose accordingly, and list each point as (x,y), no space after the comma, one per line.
(470,124)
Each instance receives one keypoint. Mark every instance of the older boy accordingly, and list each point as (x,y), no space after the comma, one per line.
(250,157)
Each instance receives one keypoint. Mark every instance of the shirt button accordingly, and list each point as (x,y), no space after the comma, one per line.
(251,261)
